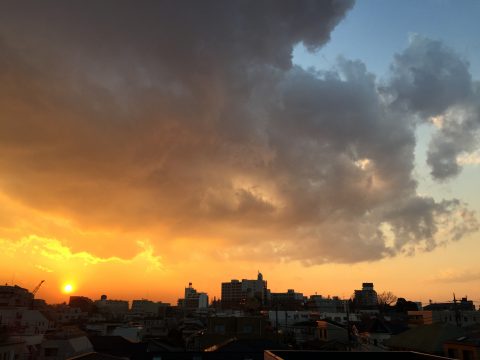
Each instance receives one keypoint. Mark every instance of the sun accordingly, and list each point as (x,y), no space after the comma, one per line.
(67,288)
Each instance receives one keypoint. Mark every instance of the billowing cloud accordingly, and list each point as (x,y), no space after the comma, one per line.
(428,77)
(188,119)
(457,138)
(432,81)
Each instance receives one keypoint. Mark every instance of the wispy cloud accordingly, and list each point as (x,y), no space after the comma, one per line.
(457,276)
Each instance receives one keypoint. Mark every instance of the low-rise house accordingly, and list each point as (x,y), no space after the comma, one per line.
(458,317)
(426,338)
(374,332)
(24,321)
(65,314)
(118,346)
(154,327)
(133,333)
(285,318)
(463,348)
(65,343)
(28,326)
(340,317)
(11,348)
(318,330)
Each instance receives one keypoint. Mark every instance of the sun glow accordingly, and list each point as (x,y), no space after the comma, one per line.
(67,288)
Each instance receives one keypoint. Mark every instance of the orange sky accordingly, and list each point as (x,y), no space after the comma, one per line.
(156,274)
(145,147)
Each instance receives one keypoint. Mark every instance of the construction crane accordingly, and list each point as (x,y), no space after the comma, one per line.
(34,291)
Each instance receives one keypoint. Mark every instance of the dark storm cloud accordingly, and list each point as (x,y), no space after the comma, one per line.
(191,117)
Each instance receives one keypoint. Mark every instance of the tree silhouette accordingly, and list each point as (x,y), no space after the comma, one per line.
(386,298)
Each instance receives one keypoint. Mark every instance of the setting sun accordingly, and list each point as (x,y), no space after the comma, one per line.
(67,288)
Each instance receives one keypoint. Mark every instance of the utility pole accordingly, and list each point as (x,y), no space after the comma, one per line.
(349,348)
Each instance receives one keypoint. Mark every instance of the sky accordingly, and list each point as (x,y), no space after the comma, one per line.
(146,145)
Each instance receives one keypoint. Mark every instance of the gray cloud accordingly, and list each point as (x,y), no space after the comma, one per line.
(428,77)
(190,116)
(431,80)
(457,135)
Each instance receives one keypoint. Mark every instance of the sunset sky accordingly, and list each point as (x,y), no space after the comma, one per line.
(148,144)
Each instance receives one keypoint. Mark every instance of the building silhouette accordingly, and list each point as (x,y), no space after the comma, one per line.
(367,297)
(15,296)
(193,299)
(236,294)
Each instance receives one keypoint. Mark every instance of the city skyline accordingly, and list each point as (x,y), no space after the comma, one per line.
(235,290)
(68,289)
(325,144)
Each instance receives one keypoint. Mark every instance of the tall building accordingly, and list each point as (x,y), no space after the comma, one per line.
(236,293)
(367,297)
(232,295)
(193,299)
